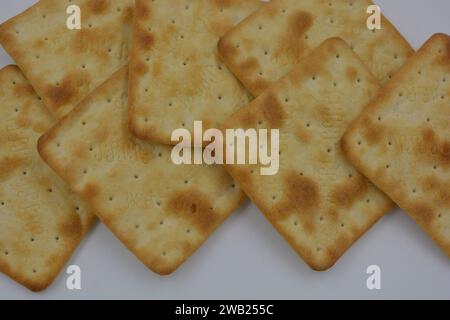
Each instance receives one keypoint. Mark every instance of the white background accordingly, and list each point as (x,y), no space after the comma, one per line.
(247,259)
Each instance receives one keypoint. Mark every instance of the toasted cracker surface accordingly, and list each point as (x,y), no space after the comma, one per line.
(162,212)
(317,201)
(41,221)
(64,65)
(176,76)
(402,140)
(267,44)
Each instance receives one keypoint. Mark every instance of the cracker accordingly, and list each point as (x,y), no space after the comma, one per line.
(176,76)
(267,45)
(162,212)
(318,202)
(41,222)
(64,65)
(402,140)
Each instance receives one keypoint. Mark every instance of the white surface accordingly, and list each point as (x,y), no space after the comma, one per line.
(247,259)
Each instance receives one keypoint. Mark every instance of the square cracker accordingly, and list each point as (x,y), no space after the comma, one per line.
(162,212)
(64,65)
(317,201)
(266,45)
(41,222)
(401,141)
(176,76)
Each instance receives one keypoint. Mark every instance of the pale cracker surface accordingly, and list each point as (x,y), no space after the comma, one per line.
(176,76)
(41,222)
(64,65)
(268,44)
(162,212)
(402,139)
(318,202)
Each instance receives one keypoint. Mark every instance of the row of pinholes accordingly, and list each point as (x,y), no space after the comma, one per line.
(33,239)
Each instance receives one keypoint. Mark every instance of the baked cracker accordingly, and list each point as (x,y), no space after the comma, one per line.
(176,76)
(402,140)
(41,221)
(162,212)
(267,44)
(317,201)
(64,65)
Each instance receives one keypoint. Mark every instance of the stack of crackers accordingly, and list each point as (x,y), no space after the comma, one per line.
(88,117)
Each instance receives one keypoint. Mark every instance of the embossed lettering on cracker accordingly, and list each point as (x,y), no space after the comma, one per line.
(41,222)
(162,212)
(318,202)
(64,65)
(402,140)
(268,44)
(176,76)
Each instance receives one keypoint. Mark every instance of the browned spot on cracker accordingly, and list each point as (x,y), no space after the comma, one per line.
(226,49)
(302,134)
(249,66)
(302,193)
(127,16)
(300,197)
(299,23)
(351,74)
(194,207)
(439,188)
(140,68)
(273,111)
(67,90)
(428,135)
(248,118)
(98,7)
(22,90)
(259,85)
(90,191)
(372,132)
(9,164)
(423,212)
(144,39)
(344,195)
(433,147)
(294,44)
(444,153)
(142,11)
(70,228)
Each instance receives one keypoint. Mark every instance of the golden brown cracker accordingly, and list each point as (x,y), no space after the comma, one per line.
(402,140)
(41,222)
(268,44)
(176,76)
(64,65)
(162,212)
(317,201)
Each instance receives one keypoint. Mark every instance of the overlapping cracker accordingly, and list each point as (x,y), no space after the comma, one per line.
(162,212)
(41,222)
(175,73)
(318,202)
(402,139)
(64,65)
(267,45)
